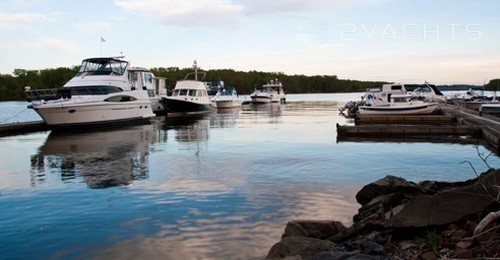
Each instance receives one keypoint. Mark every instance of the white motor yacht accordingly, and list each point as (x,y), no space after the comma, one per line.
(399,104)
(189,96)
(226,97)
(271,92)
(104,91)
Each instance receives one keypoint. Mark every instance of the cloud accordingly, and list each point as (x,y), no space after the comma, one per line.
(255,7)
(228,13)
(20,20)
(219,13)
(92,27)
(58,44)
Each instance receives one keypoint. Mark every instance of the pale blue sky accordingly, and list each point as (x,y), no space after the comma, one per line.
(443,42)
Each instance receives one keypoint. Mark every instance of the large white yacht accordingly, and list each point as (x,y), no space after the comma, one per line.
(104,91)
(189,96)
(271,92)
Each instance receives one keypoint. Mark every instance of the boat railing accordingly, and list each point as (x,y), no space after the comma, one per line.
(65,93)
(195,75)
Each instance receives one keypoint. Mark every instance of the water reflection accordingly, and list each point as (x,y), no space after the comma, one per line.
(272,109)
(189,129)
(225,118)
(102,158)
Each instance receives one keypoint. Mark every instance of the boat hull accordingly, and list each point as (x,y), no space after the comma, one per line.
(184,106)
(490,108)
(398,110)
(227,103)
(260,99)
(64,114)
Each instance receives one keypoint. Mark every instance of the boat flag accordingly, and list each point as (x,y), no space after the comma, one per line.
(102,39)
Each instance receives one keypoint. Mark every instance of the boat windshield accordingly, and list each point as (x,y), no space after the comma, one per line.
(94,90)
(102,66)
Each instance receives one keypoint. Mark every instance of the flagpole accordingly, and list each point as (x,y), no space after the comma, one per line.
(100,47)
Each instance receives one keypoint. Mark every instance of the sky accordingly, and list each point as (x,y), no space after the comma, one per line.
(407,41)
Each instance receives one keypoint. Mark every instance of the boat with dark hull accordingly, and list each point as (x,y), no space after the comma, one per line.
(189,96)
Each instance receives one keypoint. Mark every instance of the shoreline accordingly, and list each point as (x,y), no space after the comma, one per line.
(399,219)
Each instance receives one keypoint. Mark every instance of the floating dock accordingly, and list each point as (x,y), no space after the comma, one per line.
(22,128)
(454,124)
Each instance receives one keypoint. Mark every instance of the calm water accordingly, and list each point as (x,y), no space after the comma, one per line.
(219,186)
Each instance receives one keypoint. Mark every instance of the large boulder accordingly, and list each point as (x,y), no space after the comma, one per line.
(450,205)
(387,185)
(313,228)
(304,247)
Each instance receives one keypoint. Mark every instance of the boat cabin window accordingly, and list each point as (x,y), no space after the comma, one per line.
(148,77)
(102,66)
(120,99)
(399,99)
(396,87)
(180,92)
(192,93)
(94,90)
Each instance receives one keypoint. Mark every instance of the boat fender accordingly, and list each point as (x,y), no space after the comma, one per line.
(369,97)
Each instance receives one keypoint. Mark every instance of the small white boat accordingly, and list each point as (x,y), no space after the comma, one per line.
(104,91)
(400,104)
(271,92)
(189,96)
(226,97)
(492,108)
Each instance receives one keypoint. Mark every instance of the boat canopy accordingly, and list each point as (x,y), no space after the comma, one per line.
(102,66)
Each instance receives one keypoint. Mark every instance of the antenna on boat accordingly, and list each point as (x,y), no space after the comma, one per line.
(195,67)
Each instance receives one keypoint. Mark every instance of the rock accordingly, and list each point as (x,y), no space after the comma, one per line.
(365,246)
(342,256)
(304,247)
(382,204)
(387,185)
(313,228)
(394,210)
(449,205)
(428,255)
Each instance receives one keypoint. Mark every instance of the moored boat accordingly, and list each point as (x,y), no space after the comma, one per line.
(189,96)
(399,104)
(271,92)
(394,98)
(492,108)
(104,91)
(226,97)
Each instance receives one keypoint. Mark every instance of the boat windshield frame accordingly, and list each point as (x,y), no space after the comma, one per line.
(102,66)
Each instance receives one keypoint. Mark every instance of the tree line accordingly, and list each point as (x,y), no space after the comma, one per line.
(12,86)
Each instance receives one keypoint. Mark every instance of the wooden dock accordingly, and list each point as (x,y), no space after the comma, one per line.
(454,124)
(408,119)
(22,128)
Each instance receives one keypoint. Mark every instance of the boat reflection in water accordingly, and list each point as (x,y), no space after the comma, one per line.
(274,112)
(104,158)
(225,117)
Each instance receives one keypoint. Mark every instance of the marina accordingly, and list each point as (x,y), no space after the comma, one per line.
(217,185)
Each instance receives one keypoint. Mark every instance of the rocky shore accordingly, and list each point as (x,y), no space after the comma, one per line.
(399,219)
